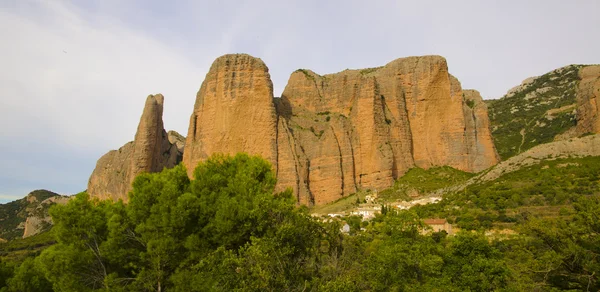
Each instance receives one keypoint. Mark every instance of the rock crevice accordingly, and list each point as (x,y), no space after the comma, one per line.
(152,150)
(328,136)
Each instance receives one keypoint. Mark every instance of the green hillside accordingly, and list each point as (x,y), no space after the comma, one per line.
(536,112)
(547,189)
(534,229)
(14,214)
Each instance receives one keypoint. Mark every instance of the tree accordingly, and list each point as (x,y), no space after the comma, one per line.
(77,262)
(29,277)
(474,264)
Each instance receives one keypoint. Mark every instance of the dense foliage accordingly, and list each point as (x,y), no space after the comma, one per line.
(226,230)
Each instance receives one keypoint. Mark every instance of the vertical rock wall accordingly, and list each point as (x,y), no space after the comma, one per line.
(151,151)
(328,136)
(588,100)
(234,112)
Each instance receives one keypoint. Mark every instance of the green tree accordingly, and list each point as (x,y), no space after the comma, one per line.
(77,262)
(28,278)
(6,272)
(474,264)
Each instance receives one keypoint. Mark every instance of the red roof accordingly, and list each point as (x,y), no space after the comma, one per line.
(435,221)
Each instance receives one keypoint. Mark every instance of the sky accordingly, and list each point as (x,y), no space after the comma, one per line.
(75,74)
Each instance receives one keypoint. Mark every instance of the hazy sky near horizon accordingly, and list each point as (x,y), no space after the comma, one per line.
(75,74)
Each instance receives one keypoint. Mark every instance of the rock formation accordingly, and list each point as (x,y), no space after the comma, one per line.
(588,100)
(365,128)
(328,136)
(39,220)
(234,112)
(151,151)
(28,216)
(481,149)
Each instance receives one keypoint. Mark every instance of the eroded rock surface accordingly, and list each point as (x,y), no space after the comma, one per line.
(234,112)
(365,128)
(588,100)
(328,136)
(39,220)
(151,151)
(480,144)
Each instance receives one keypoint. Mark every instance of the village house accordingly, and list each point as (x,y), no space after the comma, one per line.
(367,213)
(439,225)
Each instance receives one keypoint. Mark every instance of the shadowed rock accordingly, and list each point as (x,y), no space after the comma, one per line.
(151,151)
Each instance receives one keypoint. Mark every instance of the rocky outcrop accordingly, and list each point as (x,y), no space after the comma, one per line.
(559,105)
(151,151)
(480,145)
(39,220)
(234,112)
(364,128)
(28,216)
(588,100)
(328,136)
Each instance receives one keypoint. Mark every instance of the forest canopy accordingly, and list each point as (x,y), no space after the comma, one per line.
(227,229)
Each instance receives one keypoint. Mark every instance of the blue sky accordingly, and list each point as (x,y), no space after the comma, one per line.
(75,74)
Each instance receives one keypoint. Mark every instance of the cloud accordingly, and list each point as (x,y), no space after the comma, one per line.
(76,82)
(75,74)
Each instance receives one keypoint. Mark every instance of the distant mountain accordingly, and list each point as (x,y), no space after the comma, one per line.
(546,108)
(28,216)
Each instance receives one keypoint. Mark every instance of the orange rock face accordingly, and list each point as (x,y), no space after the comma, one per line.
(234,112)
(383,121)
(588,100)
(481,151)
(328,136)
(151,151)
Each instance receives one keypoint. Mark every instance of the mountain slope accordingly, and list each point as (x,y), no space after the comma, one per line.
(28,216)
(535,112)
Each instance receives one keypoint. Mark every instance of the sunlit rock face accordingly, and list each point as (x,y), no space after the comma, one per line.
(150,151)
(328,136)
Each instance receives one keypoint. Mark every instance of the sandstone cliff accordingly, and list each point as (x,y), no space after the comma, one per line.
(328,136)
(588,100)
(365,128)
(481,149)
(234,112)
(151,151)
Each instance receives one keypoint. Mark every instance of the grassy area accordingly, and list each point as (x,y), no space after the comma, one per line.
(418,181)
(415,181)
(544,190)
(18,249)
(341,204)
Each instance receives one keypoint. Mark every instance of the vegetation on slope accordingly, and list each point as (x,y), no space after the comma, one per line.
(420,181)
(17,250)
(14,214)
(225,230)
(417,182)
(549,188)
(535,113)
